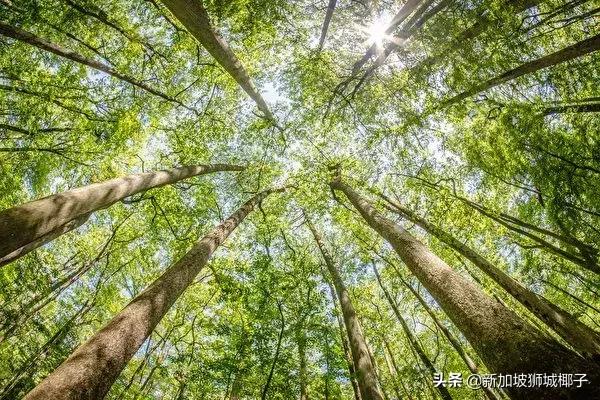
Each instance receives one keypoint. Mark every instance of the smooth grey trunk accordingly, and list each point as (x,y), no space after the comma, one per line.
(193,16)
(365,371)
(27,37)
(22,225)
(443,391)
(328,16)
(572,52)
(92,368)
(583,338)
(47,238)
(504,341)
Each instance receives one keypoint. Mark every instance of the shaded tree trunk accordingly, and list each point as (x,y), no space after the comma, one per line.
(27,37)
(328,16)
(365,371)
(572,52)
(94,366)
(454,342)
(27,223)
(443,391)
(503,340)
(580,336)
(345,344)
(47,238)
(193,16)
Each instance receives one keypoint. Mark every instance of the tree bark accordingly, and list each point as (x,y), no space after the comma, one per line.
(47,238)
(193,16)
(572,52)
(328,16)
(443,391)
(580,336)
(504,341)
(27,37)
(94,366)
(28,223)
(366,376)
(454,342)
(345,344)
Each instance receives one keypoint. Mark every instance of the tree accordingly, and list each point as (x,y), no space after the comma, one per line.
(194,18)
(44,219)
(365,371)
(463,302)
(90,371)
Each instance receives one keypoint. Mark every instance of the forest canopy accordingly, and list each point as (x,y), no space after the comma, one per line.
(325,199)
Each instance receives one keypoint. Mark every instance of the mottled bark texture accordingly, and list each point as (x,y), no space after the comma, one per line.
(93,367)
(583,338)
(193,16)
(49,217)
(572,52)
(503,340)
(442,390)
(27,37)
(365,371)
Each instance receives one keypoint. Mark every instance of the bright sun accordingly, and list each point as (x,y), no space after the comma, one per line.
(377,32)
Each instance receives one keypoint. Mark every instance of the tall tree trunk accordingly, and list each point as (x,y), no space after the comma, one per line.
(444,393)
(504,341)
(574,51)
(265,390)
(366,376)
(27,223)
(345,344)
(27,37)
(302,372)
(396,370)
(580,336)
(193,16)
(328,16)
(454,342)
(42,240)
(391,369)
(94,366)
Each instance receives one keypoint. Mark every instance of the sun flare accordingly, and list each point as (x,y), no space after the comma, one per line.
(377,32)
